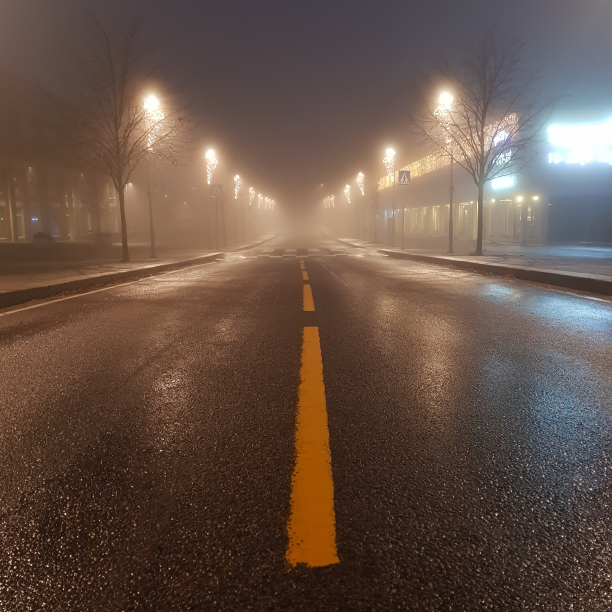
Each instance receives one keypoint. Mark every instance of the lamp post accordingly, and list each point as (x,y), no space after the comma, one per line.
(251,200)
(360,183)
(153,117)
(389,162)
(443,113)
(211,166)
(237,186)
(347,195)
(260,201)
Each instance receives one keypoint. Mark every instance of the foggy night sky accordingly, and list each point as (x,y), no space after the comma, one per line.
(299,93)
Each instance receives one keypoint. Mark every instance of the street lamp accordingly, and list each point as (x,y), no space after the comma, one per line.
(237,186)
(443,113)
(211,164)
(360,183)
(153,118)
(389,162)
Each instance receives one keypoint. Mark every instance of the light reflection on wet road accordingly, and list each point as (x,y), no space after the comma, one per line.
(146,441)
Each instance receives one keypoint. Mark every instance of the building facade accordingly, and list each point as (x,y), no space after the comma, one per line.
(563,196)
(39,192)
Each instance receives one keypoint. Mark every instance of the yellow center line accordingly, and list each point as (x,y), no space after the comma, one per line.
(302,265)
(312,523)
(308,299)
(304,275)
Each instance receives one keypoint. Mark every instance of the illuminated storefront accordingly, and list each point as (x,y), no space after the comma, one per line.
(565,195)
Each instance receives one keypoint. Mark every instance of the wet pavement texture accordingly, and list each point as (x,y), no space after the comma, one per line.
(147,440)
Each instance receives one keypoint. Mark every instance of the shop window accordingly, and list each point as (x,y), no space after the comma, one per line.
(436,218)
(463,218)
(35,218)
(32,184)
(20,224)
(54,220)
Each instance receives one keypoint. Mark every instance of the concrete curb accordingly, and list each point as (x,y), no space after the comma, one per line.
(19,296)
(591,283)
(246,247)
(357,246)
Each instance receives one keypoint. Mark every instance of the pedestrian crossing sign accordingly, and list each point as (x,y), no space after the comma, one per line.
(215,190)
(404,177)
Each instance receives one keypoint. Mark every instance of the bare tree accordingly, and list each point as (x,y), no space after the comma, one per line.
(109,128)
(495,121)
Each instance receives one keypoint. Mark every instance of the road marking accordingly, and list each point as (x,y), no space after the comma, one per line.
(312,522)
(302,264)
(304,275)
(50,300)
(308,299)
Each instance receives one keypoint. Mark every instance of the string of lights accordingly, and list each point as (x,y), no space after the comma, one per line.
(237,185)
(329,202)
(440,159)
(389,161)
(211,164)
(347,193)
(360,182)
(251,195)
(154,117)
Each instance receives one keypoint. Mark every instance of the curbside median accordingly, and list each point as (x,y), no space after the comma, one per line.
(591,283)
(19,296)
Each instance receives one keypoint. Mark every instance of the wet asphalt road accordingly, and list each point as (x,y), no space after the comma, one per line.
(147,440)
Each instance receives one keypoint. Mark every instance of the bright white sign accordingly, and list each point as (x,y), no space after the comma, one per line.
(581,143)
(503,182)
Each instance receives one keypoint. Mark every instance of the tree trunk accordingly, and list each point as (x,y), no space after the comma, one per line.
(480,224)
(124,241)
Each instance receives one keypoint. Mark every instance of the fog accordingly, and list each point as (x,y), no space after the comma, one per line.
(292,96)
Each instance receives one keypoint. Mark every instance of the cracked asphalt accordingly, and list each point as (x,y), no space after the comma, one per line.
(147,440)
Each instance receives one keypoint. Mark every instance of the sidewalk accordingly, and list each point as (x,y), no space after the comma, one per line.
(585,268)
(25,279)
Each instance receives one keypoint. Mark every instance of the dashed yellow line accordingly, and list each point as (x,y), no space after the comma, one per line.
(304,275)
(312,523)
(308,300)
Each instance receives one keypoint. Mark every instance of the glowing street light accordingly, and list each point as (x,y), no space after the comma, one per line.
(359,181)
(443,114)
(347,193)
(389,162)
(251,195)
(446,99)
(329,202)
(153,118)
(237,185)
(211,164)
